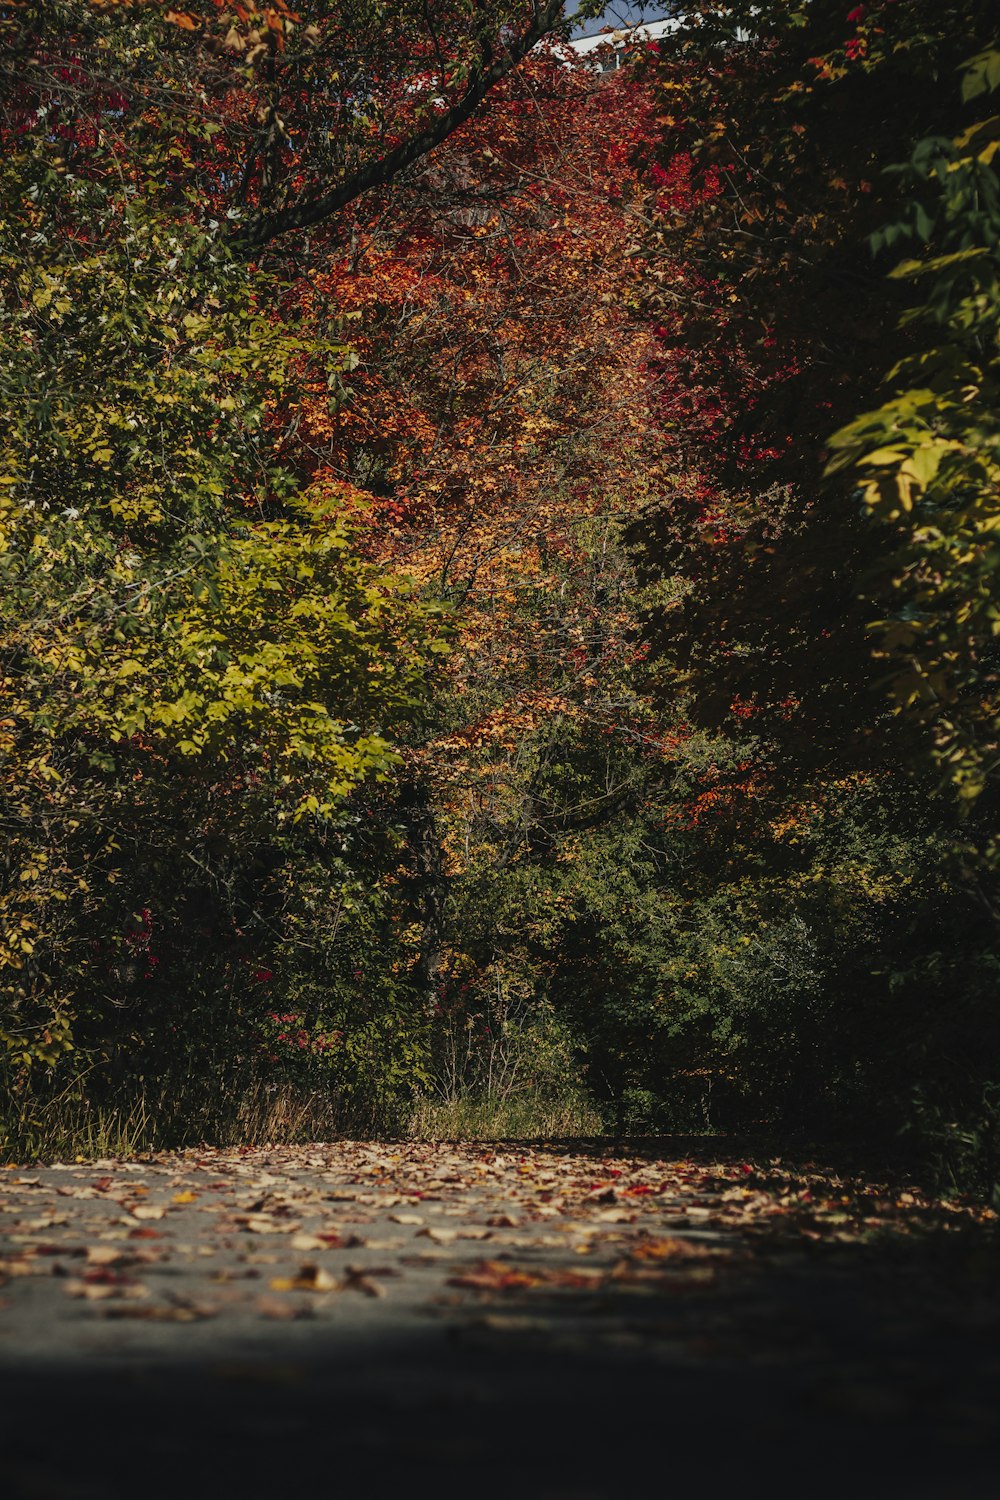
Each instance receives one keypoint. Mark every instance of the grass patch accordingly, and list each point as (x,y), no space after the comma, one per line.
(262,1114)
(253,1112)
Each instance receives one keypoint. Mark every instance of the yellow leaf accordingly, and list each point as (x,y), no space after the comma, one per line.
(311,1278)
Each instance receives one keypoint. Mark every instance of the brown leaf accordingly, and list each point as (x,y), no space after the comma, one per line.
(492,1276)
(106,1255)
(98,1291)
(360,1280)
(670,1247)
(179,1310)
(21,1266)
(309,1242)
(265,1224)
(514,1323)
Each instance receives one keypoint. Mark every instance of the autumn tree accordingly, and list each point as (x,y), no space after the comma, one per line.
(850,874)
(198,664)
(496,417)
(209,709)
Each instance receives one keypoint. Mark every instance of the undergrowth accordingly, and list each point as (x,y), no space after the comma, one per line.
(155,1120)
(158,1119)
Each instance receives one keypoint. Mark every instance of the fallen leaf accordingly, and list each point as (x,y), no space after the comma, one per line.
(359,1280)
(21,1266)
(671,1247)
(309,1242)
(514,1323)
(97,1291)
(310,1278)
(48,1221)
(265,1224)
(180,1310)
(106,1255)
(490,1276)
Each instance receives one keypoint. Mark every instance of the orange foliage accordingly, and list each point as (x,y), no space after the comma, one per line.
(496,417)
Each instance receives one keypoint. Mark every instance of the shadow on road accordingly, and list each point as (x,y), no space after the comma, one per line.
(854,1371)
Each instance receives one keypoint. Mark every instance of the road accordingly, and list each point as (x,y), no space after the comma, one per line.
(562,1322)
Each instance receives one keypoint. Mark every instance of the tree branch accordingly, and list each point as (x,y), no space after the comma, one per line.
(265,227)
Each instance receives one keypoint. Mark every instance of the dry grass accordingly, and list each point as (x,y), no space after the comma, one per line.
(161,1118)
(263,1114)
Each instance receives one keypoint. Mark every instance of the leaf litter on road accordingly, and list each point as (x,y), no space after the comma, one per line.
(690,1258)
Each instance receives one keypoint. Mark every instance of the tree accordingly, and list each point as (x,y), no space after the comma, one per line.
(496,417)
(927,458)
(774,322)
(196,658)
(857,907)
(316,110)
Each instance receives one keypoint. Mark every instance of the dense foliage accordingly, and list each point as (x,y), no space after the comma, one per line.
(498,569)
(819,610)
